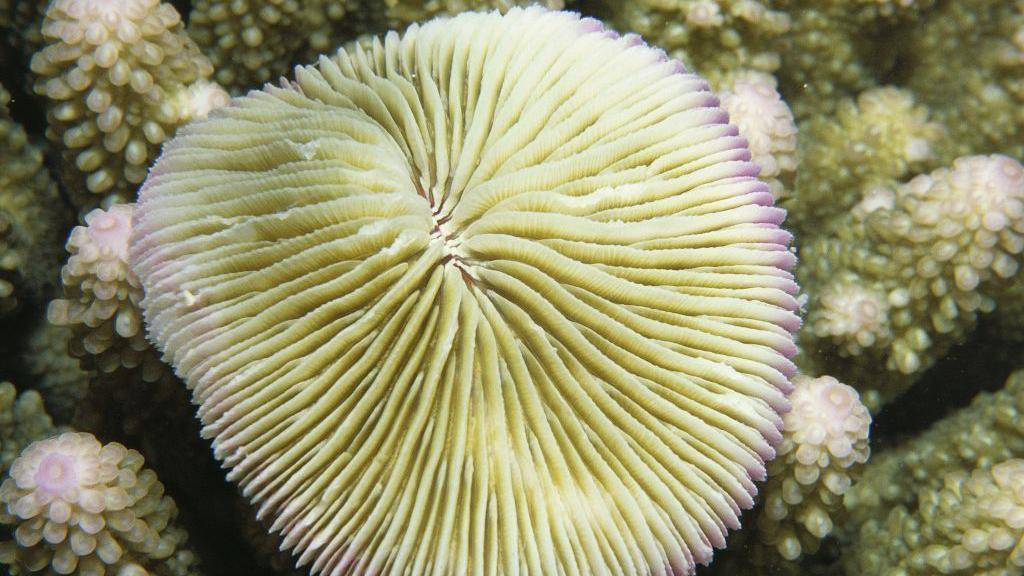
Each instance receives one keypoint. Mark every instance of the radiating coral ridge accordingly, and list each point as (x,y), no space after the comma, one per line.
(501,293)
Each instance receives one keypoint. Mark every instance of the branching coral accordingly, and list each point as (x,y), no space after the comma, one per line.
(981,435)
(118,75)
(933,254)
(967,63)
(497,308)
(947,501)
(401,13)
(102,296)
(78,506)
(56,373)
(31,215)
(251,42)
(23,420)
(972,526)
(755,107)
(881,137)
(824,441)
(713,36)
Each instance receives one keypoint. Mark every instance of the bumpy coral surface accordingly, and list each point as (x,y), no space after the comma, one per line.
(824,441)
(988,431)
(881,137)
(102,296)
(56,373)
(501,298)
(78,506)
(969,65)
(251,42)
(118,76)
(713,36)
(401,13)
(763,118)
(972,526)
(30,215)
(23,420)
(921,261)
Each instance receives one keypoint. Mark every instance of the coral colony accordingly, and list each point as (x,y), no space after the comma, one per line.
(714,287)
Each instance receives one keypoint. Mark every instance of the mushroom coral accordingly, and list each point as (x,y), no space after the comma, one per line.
(502,293)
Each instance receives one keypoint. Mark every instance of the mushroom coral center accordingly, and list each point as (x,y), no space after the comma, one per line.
(499,294)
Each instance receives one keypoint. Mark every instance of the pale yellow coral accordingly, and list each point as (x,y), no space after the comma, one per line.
(851,315)
(824,441)
(78,506)
(502,291)
(117,75)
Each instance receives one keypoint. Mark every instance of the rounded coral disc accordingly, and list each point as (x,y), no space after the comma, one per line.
(500,294)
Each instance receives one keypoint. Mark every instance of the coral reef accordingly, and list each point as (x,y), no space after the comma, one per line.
(23,420)
(31,215)
(82,507)
(763,118)
(118,76)
(56,374)
(824,441)
(102,296)
(947,501)
(920,262)
(712,36)
(968,66)
(892,131)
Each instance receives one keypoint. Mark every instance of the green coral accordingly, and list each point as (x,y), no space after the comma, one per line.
(55,372)
(714,37)
(966,61)
(251,42)
(880,137)
(988,431)
(969,527)
(906,273)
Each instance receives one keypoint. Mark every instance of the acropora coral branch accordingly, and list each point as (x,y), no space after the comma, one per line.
(908,271)
(77,506)
(120,77)
(30,215)
(824,442)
